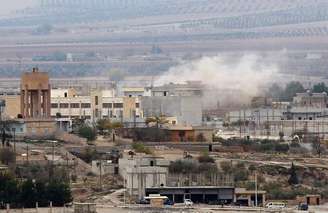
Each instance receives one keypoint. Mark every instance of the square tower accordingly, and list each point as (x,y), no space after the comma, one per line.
(35,94)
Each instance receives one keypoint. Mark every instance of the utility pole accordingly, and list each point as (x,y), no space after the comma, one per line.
(27,153)
(255,188)
(124,186)
(244,120)
(67,170)
(134,119)
(15,147)
(267,125)
(259,118)
(100,174)
(2,125)
(53,153)
(239,121)
(15,141)
(53,159)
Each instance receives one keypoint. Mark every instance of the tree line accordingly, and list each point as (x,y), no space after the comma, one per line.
(288,92)
(26,193)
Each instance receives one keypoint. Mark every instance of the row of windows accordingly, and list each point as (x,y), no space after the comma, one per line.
(72,105)
(88,105)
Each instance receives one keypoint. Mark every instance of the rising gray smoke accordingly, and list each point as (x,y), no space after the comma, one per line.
(227,79)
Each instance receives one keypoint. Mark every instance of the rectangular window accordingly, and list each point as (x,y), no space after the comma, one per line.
(75,105)
(118,105)
(54,105)
(137,105)
(85,105)
(107,105)
(96,100)
(63,105)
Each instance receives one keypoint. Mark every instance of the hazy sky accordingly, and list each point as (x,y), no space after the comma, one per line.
(8,6)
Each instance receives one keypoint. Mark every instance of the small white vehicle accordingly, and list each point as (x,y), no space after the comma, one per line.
(275,205)
(188,202)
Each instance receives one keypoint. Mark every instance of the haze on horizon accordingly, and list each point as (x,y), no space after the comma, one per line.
(9,6)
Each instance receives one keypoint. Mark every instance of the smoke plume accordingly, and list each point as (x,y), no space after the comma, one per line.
(227,79)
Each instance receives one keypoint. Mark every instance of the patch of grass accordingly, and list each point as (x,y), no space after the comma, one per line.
(141,148)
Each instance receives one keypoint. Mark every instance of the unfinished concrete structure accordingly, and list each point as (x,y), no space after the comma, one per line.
(142,171)
(35,95)
(187,109)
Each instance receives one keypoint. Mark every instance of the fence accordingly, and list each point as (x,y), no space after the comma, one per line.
(49,209)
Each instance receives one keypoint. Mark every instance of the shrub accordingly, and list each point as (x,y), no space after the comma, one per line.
(88,155)
(240,165)
(277,191)
(293,179)
(273,170)
(191,166)
(217,139)
(183,166)
(87,132)
(141,148)
(324,193)
(282,148)
(241,175)
(226,166)
(294,144)
(207,168)
(205,158)
(252,168)
(249,185)
(7,156)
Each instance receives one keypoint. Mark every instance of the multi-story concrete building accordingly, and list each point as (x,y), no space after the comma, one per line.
(181,102)
(98,105)
(305,113)
(135,91)
(140,172)
(186,109)
(190,88)
(309,99)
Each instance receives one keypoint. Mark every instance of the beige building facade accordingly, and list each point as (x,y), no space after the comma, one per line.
(13,106)
(67,104)
(35,94)
(99,104)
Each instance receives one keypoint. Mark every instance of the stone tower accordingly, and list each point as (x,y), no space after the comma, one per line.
(35,95)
